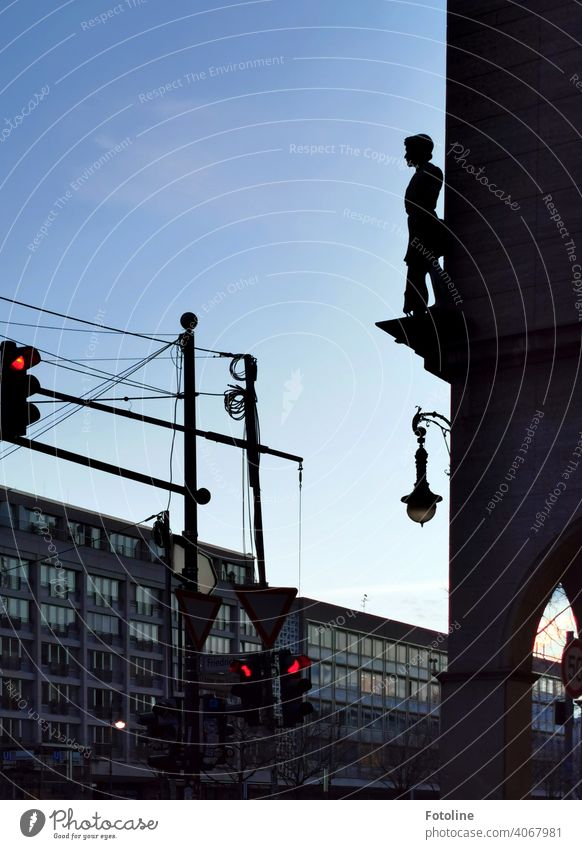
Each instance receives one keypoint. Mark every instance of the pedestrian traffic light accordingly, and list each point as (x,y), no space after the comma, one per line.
(162,726)
(15,387)
(294,687)
(251,689)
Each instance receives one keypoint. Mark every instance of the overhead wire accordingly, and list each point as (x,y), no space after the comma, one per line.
(95,372)
(107,384)
(178,358)
(81,320)
(107,327)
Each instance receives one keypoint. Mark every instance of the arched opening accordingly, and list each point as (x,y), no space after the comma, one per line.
(556,772)
(544,614)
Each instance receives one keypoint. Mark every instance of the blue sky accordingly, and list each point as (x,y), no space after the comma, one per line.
(249,169)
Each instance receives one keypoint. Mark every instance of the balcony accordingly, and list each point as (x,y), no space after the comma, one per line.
(102,711)
(14,622)
(60,707)
(144,645)
(102,674)
(143,679)
(56,668)
(10,661)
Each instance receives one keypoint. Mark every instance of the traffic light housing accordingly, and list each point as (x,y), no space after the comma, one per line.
(162,726)
(251,689)
(15,387)
(293,688)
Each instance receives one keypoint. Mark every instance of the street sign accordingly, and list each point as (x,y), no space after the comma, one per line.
(218,663)
(267,609)
(572,668)
(199,612)
(207,579)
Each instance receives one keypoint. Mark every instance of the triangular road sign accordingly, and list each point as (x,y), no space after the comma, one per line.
(199,612)
(267,609)
(207,578)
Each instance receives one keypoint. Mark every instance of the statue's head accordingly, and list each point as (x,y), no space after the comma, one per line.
(418,149)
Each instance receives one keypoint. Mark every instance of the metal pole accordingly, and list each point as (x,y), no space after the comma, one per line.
(253,458)
(190,574)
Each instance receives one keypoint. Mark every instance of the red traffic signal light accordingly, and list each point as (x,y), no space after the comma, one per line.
(251,689)
(293,688)
(297,664)
(15,387)
(24,358)
(242,668)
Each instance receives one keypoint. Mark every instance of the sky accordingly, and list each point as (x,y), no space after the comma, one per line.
(242,161)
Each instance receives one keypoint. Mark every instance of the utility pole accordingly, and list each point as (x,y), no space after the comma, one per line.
(253,457)
(190,574)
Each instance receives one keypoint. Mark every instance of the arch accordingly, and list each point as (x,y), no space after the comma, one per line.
(559,563)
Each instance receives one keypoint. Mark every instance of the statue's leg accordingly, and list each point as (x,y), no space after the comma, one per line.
(436,275)
(416,292)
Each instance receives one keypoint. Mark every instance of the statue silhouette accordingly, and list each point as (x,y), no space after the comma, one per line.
(425,230)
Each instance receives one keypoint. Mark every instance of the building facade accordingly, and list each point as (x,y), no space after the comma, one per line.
(87,636)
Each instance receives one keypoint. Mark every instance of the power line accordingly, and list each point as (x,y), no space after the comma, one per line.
(81,320)
(107,327)
(106,384)
(141,333)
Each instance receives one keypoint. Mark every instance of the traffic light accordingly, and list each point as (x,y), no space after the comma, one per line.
(15,387)
(251,689)
(162,725)
(294,687)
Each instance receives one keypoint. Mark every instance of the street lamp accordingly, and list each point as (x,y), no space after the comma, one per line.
(119,724)
(421,504)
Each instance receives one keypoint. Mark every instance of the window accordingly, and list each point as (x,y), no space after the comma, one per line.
(14,609)
(246,626)
(123,544)
(341,641)
(144,632)
(147,601)
(59,581)
(102,592)
(236,573)
(100,701)
(76,532)
(100,623)
(11,729)
(326,674)
(143,670)
(38,523)
(312,634)
(247,646)
(401,653)
(100,661)
(141,703)
(100,735)
(13,652)
(218,645)
(61,696)
(366,648)
(223,618)
(366,682)
(57,617)
(13,573)
(378,648)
